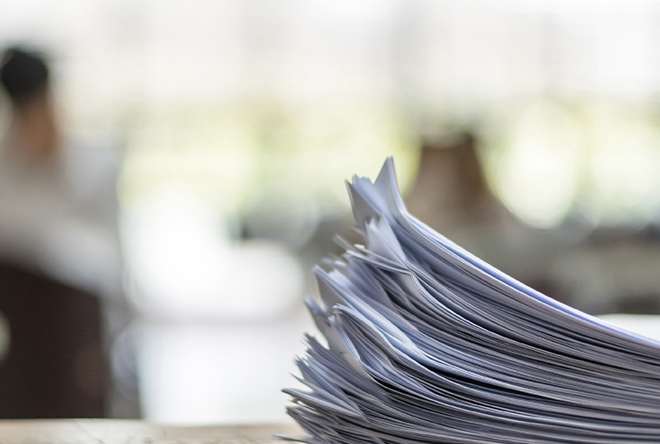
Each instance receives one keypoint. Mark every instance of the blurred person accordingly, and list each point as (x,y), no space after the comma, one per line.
(58,209)
(51,188)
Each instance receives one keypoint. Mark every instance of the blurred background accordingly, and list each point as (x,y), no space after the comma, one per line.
(202,149)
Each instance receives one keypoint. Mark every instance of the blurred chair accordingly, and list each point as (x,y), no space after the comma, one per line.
(56,366)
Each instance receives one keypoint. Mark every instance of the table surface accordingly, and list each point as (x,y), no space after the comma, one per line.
(100,431)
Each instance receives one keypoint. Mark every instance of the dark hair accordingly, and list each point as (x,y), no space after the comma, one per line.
(23,74)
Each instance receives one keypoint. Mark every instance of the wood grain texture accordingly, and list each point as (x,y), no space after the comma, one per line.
(100,431)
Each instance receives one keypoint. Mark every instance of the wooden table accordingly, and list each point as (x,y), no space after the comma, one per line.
(100,431)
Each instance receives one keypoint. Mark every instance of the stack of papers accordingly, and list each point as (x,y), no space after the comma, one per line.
(428,344)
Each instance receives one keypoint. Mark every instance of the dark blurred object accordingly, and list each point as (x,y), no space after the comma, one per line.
(452,196)
(23,74)
(648,304)
(451,189)
(56,366)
